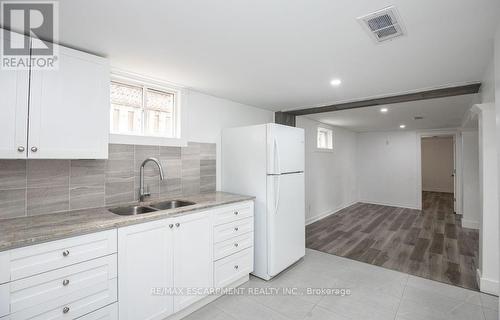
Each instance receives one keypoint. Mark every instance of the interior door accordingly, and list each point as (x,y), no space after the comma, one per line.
(193,258)
(14,86)
(69,108)
(285,149)
(286,221)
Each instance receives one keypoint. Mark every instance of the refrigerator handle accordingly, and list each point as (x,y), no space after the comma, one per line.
(277,160)
(277,195)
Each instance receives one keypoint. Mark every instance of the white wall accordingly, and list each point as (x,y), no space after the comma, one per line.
(470,179)
(207,116)
(437,164)
(497,102)
(330,176)
(488,195)
(387,168)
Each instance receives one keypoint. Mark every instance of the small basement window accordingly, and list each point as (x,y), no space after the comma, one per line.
(325,139)
(143,110)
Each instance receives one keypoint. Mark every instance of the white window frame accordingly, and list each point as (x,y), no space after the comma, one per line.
(178,114)
(318,128)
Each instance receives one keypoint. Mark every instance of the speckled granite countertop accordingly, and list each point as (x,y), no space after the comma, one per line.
(25,231)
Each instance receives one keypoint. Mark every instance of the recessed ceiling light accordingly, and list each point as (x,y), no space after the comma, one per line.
(336,82)
(402,126)
(384,110)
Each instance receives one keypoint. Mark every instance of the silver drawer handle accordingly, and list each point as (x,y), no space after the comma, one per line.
(170,226)
(236,229)
(66,253)
(34,149)
(236,267)
(65,309)
(20,149)
(177,224)
(65,282)
(236,213)
(236,245)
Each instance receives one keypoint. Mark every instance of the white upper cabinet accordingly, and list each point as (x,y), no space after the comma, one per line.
(69,108)
(56,113)
(14,90)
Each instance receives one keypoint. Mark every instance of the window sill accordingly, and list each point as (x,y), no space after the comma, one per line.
(324,150)
(146,140)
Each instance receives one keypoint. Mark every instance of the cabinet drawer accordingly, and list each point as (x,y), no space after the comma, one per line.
(4,299)
(107,313)
(232,268)
(233,213)
(73,305)
(233,245)
(48,256)
(226,231)
(4,267)
(79,280)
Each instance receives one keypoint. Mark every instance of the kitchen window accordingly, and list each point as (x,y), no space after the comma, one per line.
(139,109)
(324,139)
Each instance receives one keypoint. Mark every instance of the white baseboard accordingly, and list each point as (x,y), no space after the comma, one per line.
(471,224)
(487,285)
(327,213)
(437,190)
(392,204)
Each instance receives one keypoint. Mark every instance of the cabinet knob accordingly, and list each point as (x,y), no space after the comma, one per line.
(236,267)
(66,253)
(65,309)
(236,213)
(236,229)
(236,245)
(170,226)
(177,224)
(34,149)
(20,149)
(65,282)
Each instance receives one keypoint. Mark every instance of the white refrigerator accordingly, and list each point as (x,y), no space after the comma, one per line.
(267,161)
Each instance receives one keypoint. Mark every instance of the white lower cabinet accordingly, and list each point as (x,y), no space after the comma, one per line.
(193,269)
(233,267)
(145,271)
(162,264)
(107,313)
(4,299)
(145,262)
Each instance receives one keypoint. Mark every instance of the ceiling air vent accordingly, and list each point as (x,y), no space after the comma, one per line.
(383,24)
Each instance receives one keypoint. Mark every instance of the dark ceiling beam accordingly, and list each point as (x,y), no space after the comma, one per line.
(416,96)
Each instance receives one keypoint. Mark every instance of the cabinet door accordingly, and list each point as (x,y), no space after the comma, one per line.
(193,258)
(14,86)
(69,108)
(144,264)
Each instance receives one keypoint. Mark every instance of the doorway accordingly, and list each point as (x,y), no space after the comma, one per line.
(439,167)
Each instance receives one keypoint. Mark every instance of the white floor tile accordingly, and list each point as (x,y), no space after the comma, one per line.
(376,294)
(445,289)
(320,313)
(489,301)
(490,314)
(244,308)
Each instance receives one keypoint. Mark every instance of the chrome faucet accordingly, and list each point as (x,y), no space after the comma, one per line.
(143,194)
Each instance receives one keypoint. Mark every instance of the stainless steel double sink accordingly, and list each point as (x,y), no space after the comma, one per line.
(138,209)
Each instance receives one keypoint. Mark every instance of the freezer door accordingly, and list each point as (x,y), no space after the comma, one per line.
(286,221)
(285,149)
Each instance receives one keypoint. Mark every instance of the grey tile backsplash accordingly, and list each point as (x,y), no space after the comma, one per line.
(32,187)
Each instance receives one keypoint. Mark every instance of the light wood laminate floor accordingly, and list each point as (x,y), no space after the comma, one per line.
(430,243)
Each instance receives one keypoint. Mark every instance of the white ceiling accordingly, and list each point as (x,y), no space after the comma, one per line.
(437,114)
(282,54)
